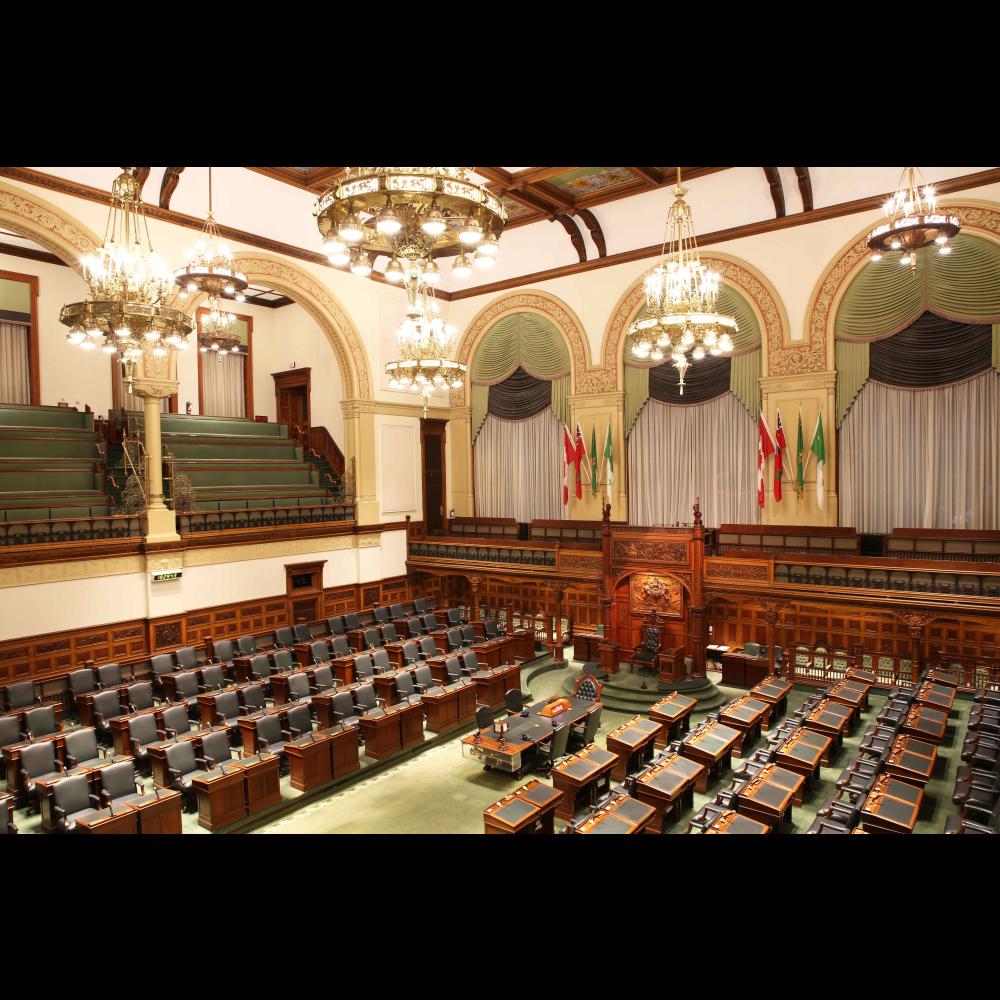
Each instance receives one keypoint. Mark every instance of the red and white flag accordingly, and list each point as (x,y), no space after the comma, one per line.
(579,458)
(765,448)
(780,448)
(569,457)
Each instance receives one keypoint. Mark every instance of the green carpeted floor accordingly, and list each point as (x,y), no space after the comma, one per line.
(440,791)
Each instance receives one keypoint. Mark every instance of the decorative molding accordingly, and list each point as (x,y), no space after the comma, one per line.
(736,571)
(660,594)
(754,287)
(590,563)
(168,635)
(33,217)
(60,572)
(651,551)
(167,562)
(796,383)
(369,541)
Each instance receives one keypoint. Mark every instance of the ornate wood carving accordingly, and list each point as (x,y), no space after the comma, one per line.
(574,236)
(594,228)
(805,187)
(736,571)
(651,551)
(660,594)
(777,191)
(171,178)
(168,635)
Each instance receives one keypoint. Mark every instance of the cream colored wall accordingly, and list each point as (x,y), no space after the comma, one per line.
(397,467)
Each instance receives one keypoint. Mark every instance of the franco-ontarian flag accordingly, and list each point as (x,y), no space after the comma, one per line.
(608,463)
(819,450)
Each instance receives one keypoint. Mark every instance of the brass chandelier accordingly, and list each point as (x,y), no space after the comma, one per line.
(210,270)
(912,222)
(681,295)
(413,215)
(128,281)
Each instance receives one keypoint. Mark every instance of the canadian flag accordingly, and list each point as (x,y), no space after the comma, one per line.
(569,458)
(765,448)
(781,447)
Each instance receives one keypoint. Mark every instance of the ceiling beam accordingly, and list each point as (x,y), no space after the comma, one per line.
(171,178)
(535,174)
(575,236)
(647,174)
(596,233)
(777,191)
(805,188)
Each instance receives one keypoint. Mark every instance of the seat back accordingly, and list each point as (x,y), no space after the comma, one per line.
(343,704)
(382,615)
(420,605)
(423,676)
(118,779)
(396,612)
(319,651)
(302,633)
(491,627)
(415,627)
(107,705)
(484,716)
(181,757)
(215,748)
(141,695)
(352,621)
(162,663)
(454,638)
(223,650)
(410,651)
(186,657)
(186,686)
(323,678)
(284,637)
(430,622)
(247,645)
(470,661)
(38,759)
(10,730)
(588,687)
(428,646)
(389,633)
(142,729)
(364,696)
(468,635)
(72,795)
(282,659)
(212,676)
(340,646)
(336,625)
(82,681)
(514,700)
(109,675)
(260,666)
(454,618)
(299,721)
(380,659)
(592,725)
(452,667)
(371,638)
(176,718)
(21,694)
(751,648)
(363,666)
(298,686)
(41,721)
(404,684)
(253,696)
(227,705)
(269,729)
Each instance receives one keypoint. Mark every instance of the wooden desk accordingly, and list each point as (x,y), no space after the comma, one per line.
(740,670)
(852,693)
(711,744)
(673,714)
(260,781)
(344,755)
(622,814)
(388,730)
(860,674)
(582,777)
(385,685)
(309,761)
(587,647)
(804,751)
(670,665)
(220,797)
(247,725)
(912,760)
(522,644)
(159,813)
(936,696)
(122,821)
(774,690)
(157,753)
(925,723)
(531,809)
(44,789)
(770,794)
(633,744)
(207,705)
(668,786)
(731,822)
(937,675)
(492,685)
(830,718)
(892,806)
(85,703)
(748,716)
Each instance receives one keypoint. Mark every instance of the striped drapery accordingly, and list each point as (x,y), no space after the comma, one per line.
(222,385)
(15,365)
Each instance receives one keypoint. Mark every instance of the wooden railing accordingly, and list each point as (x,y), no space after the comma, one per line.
(524,554)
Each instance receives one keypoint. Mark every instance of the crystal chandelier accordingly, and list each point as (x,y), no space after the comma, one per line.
(681,295)
(912,222)
(210,270)
(127,280)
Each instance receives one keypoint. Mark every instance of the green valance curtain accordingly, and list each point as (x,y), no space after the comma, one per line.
(885,298)
(521,340)
(745,369)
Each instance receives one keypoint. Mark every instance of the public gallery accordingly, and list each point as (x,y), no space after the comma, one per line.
(525,501)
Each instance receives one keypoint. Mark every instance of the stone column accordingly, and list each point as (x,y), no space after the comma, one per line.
(359,432)
(155,384)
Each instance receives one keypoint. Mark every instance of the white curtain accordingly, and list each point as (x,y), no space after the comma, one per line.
(519,468)
(701,450)
(222,385)
(922,458)
(15,369)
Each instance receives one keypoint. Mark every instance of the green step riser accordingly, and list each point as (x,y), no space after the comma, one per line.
(261,477)
(12,448)
(52,513)
(231,452)
(46,418)
(53,482)
(182,424)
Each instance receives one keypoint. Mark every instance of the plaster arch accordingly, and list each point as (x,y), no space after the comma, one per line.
(24,213)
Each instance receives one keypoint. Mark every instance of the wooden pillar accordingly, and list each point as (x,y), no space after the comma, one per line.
(474,582)
(915,624)
(556,644)
(771,613)
(697,607)
(608,649)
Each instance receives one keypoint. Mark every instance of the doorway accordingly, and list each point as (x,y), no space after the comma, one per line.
(432,442)
(292,391)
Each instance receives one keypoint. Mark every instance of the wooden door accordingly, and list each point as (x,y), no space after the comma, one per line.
(432,445)
(292,393)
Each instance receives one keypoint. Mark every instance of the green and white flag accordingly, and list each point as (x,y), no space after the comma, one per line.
(800,480)
(593,459)
(819,450)
(608,461)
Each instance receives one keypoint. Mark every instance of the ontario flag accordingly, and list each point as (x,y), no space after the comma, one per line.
(569,458)
(781,447)
(765,449)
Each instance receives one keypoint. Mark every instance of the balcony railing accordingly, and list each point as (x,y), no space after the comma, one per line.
(470,552)
(263,517)
(70,529)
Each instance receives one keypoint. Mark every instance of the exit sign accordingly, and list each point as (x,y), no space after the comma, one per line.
(161,575)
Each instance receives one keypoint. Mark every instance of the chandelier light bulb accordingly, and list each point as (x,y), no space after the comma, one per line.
(388,223)
(483,261)
(430,274)
(471,233)
(350,230)
(461,268)
(490,246)
(88,345)
(895,244)
(362,266)
(333,244)
(434,224)
(394,271)
(941,240)
(875,257)
(340,257)
(159,352)
(905,259)
(657,355)
(698,353)
(109,348)
(725,343)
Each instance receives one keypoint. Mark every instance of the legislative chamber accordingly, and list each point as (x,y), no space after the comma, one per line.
(476,501)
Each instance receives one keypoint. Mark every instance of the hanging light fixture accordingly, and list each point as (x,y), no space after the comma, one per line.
(912,222)
(681,295)
(127,282)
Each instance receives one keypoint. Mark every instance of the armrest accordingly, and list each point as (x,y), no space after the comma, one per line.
(59,812)
(262,744)
(95,800)
(338,716)
(420,687)
(206,762)
(174,774)
(71,760)
(246,709)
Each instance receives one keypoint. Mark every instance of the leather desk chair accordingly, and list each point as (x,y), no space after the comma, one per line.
(186,690)
(298,687)
(302,633)
(550,751)
(283,660)
(299,722)
(706,816)
(215,749)
(72,800)
(492,628)
(583,733)
(827,826)
(974,821)
(39,761)
(371,639)
(751,649)
(431,623)
(405,688)
(856,786)
(260,667)
(247,645)
(382,615)
(979,790)
(224,651)
(284,638)
(396,612)
(453,668)
(227,711)
(141,732)
(514,701)
(253,699)
(364,698)
(411,653)
(323,680)
(336,625)
(428,648)
(454,617)
(423,679)
(269,736)
(162,663)
(21,695)
(468,635)
(183,767)
(363,666)
(389,633)
(140,696)
(470,662)
(118,785)
(175,722)
(588,687)
(10,730)
(415,626)
(320,652)
(186,658)
(484,716)
(213,678)
(40,722)
(340,647)
(343,709)
(381,661)
(454,636)
(107,706)
(421,605)
(80,748)
(352,621)
(82,681)
(109,675)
